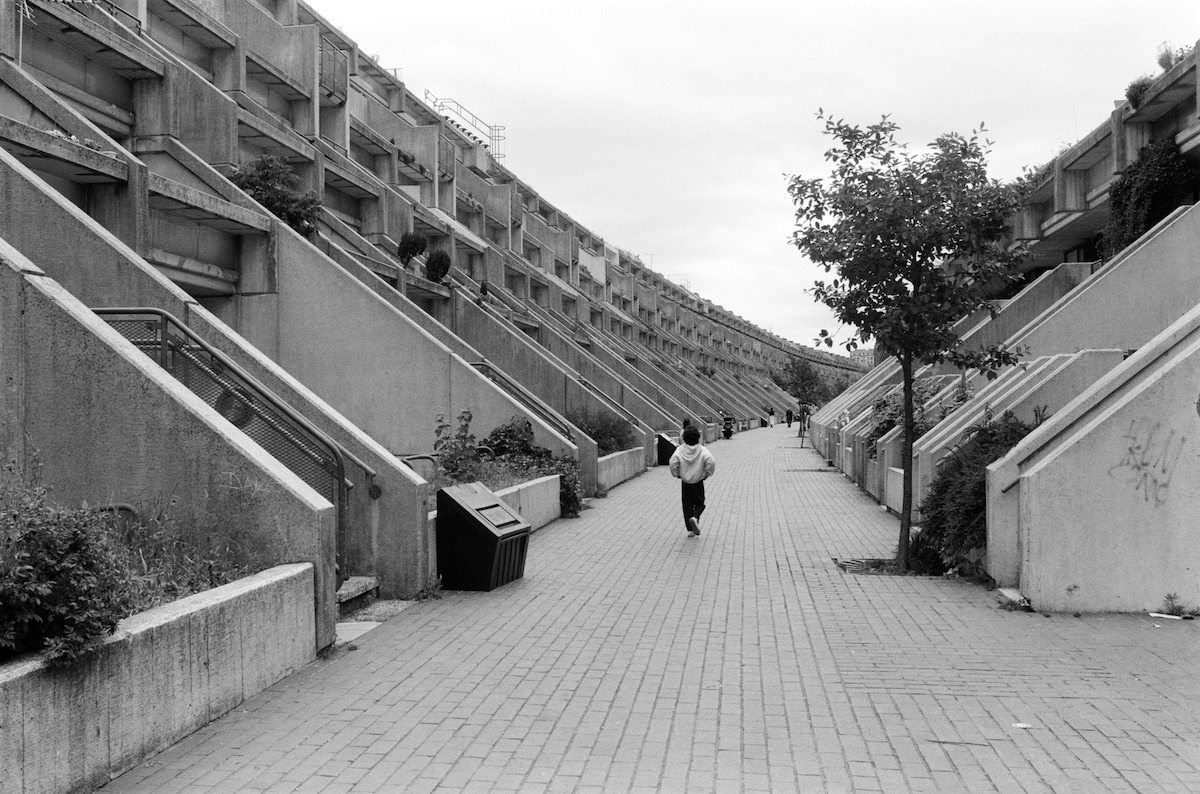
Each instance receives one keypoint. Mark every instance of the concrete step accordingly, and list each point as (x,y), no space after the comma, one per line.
(355,593)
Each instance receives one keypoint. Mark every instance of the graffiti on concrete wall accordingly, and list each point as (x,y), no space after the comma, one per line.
(1148,460)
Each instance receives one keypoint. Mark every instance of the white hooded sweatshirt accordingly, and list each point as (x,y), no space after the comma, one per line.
(692,463)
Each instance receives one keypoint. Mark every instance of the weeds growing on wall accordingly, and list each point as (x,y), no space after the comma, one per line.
(955,509)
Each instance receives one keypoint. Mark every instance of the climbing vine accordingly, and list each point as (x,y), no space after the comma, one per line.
(1156,183)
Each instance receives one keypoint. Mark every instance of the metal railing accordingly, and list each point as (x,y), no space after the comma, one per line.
(525,397)
(247,404)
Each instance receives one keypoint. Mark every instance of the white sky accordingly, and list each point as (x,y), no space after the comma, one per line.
(666,127)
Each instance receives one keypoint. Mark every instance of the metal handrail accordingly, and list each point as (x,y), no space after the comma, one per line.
(334,451)
(525,397)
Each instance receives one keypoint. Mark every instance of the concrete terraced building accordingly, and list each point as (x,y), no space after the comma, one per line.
(163,335)
(1096,509)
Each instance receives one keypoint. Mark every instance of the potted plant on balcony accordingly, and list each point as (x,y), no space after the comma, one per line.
(410,245)
(437,266)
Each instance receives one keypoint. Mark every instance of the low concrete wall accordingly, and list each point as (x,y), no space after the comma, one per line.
(536,500)
(162,675)
(894,490)
(618,467)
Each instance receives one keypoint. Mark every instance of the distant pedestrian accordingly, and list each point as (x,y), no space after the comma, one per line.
(789,415)
(802,418)
(770,416)
(692,463)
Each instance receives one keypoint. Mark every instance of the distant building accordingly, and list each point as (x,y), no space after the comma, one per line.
(864,358)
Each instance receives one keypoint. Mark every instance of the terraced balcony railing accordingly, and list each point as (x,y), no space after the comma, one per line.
(239,397)
(524,397)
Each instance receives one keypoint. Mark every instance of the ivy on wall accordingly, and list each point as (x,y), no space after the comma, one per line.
(1150,188)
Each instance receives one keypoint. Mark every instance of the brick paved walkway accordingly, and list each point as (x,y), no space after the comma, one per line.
(632,657)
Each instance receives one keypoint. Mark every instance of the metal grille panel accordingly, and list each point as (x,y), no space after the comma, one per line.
(235,396)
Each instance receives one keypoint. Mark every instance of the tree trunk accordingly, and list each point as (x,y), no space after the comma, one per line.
(906,446)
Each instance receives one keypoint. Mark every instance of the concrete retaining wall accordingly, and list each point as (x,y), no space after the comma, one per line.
(162,675)
(536,500)
(618,467)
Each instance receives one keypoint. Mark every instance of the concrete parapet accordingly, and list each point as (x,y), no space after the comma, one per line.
(162,675)
(537,500)
(621,466)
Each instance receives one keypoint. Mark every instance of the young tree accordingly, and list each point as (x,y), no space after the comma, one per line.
(801,379)
(916,241)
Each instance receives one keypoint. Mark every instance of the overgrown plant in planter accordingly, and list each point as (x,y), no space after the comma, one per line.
(270,181)
(1137,89)
(1160,180)
(410,245)
(437,266)
(955,509)
(514,459)
(610,432)
(1168,56)
(67,576)
(889,412)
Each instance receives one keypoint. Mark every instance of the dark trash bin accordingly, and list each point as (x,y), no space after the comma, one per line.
(666,448)
(481,541)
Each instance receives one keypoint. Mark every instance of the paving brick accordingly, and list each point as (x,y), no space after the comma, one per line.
(632,655)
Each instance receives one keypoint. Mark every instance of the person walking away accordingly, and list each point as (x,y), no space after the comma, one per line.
(789,415)
(692,463)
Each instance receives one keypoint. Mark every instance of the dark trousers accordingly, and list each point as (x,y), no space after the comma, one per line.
(693,501)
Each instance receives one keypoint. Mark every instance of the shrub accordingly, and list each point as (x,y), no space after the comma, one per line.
(410,245)
(60,578)
(514,437)
(270,181)
(955,509)
(1168,56)
(437,266)
(610,432)
(516,460)
(889,412)
(515,451)
(68,576)
(1137,89)
(925,554)
(457,454)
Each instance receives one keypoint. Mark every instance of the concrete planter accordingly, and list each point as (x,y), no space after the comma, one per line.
(614,469)
(165,673)
(536,500)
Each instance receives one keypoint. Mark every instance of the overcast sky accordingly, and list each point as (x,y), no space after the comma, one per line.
(667,127)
